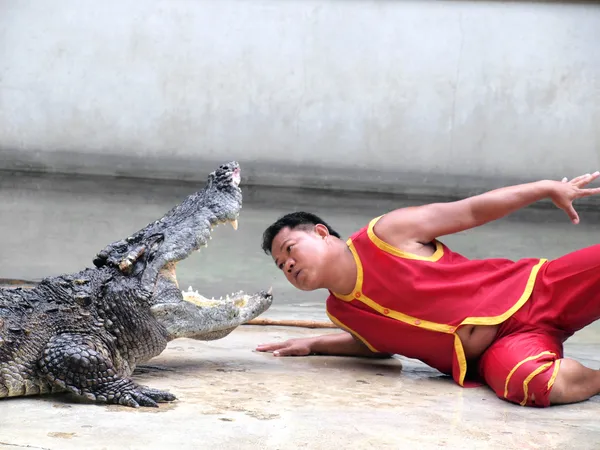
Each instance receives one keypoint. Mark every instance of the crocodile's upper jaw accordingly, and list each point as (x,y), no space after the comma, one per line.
(152,253)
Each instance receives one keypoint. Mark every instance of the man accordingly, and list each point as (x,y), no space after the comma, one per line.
(396,289)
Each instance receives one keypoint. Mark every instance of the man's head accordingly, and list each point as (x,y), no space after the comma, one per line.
(299,243)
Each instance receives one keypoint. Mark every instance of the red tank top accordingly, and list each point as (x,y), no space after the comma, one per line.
(411,305)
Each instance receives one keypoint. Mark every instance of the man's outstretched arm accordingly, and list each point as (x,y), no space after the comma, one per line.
(427,222)
(339,344)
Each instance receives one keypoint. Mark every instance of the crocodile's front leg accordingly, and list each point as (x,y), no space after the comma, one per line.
(82,366)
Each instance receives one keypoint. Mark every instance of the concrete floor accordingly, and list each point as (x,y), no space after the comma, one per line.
(232,397)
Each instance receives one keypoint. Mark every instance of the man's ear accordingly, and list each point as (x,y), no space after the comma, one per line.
(321,230)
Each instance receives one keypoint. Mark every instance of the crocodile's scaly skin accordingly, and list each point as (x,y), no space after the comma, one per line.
(85,333)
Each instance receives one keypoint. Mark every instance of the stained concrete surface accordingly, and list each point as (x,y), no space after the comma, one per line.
(233,397)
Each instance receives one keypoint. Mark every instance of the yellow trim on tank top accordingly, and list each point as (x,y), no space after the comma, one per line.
(462,360)
(388,248)
(351,331)
(358,295)
(495,320)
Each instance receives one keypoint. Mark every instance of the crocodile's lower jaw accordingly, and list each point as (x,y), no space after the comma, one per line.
(197,299)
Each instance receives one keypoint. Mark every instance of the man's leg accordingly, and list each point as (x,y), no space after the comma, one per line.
(529,369)
(526,365)
(574,383)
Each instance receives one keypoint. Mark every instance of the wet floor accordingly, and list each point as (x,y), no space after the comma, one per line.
(52,224)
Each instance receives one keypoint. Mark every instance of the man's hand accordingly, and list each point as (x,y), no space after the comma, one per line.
(563,194)
(291,347)
(337,344)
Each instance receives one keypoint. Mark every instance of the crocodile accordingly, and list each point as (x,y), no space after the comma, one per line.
(84,333)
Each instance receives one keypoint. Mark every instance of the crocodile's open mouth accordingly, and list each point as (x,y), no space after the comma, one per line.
(186,312)
(169,273)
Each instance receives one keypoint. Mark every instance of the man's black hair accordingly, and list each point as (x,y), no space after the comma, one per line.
(293,220)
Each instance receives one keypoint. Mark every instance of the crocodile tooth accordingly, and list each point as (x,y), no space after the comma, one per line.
(270,291)
(234,224)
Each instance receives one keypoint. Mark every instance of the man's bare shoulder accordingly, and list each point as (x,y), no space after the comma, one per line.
(396,224)
(400,229)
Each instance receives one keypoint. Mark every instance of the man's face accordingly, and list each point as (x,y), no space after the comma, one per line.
(300,253)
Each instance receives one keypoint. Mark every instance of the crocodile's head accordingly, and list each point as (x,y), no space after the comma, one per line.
(151,255)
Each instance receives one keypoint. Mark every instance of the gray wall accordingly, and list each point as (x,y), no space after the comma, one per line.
(379,95)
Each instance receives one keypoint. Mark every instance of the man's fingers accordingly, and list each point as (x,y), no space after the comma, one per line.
(283,349)
(588,192)
(290,351)
(585,179)
(580,177)
(573,214)
(270,346)
(282,352)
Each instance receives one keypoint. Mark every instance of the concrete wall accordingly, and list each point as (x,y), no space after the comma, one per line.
(377,95)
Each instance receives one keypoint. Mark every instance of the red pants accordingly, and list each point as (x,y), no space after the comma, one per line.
(523,361)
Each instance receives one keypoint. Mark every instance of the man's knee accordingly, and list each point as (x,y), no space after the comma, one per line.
(534,385)
(528,382)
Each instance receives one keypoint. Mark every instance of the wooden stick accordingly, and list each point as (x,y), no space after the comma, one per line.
(290,323)
(13,283)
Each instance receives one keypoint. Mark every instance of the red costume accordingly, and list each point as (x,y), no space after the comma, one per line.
(412,305)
